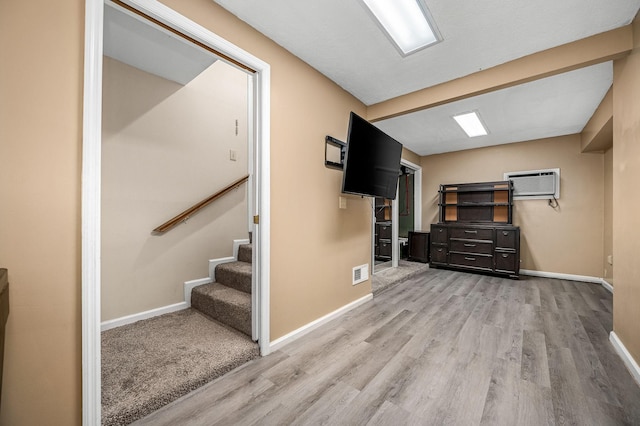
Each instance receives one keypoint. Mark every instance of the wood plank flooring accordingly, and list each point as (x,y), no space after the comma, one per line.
(442,348)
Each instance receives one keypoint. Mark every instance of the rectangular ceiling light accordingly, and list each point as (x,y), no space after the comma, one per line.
(406,22)
(471,124)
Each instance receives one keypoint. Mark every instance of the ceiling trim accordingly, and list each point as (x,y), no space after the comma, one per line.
(592,50)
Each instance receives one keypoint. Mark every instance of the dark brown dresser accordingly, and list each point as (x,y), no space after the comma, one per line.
(475,232)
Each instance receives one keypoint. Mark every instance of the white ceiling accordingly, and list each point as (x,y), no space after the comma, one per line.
(554,106)
(132,40)
(339,39)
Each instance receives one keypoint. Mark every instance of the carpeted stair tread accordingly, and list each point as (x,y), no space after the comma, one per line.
(245,253)
(150,363)
(224,304)
(235,274)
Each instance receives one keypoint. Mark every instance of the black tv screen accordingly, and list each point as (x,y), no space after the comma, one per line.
(372,160)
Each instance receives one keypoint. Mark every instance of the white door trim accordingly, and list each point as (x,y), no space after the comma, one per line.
(395,211)
(91,182)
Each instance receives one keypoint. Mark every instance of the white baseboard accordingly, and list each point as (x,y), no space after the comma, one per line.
(130,319)
(189,285)
(608,286)
(215,262)
(296,334)
(560,276)
(628,360)
(237,244)
(569,277)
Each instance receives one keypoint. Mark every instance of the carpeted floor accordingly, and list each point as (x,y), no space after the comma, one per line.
(150,363)
(388,277)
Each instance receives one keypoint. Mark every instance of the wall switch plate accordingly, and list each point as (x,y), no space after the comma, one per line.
(342,202)
(232,155)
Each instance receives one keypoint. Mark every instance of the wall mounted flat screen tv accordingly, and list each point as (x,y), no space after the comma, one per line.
(372,160)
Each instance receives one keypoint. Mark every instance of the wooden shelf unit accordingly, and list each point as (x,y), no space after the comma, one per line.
(475,232)
(476,202)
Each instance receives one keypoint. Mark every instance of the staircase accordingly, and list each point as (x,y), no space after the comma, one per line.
(228,299)
(144,364)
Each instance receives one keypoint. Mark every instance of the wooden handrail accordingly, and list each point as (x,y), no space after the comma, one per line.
(185,215)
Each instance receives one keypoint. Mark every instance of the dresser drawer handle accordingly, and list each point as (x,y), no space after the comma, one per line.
(470,258)
(505,233)
(440,230)
(469,245)
(439,250)
(470,232)
(504,256)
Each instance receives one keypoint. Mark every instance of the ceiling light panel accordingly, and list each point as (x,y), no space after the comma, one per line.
(471,124)
(406,22)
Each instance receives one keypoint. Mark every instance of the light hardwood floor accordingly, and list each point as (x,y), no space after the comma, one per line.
(443,348)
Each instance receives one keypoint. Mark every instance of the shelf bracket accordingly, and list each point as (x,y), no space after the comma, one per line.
(334,152)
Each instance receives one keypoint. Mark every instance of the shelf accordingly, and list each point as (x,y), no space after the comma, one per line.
(480,202)
(502,185)
(473,204)
(479,189)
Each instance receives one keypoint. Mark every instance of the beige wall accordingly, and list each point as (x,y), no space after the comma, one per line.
(166,147)
(411,156)
(314,244)
(626,205)
(568,239)
(40,147)
(608,217)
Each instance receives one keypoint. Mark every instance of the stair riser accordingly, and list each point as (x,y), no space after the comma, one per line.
(233,279)
(245,253)
(237,317)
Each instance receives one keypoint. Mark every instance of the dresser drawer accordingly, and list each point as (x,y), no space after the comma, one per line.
(384,231)
(469,260)
(471,246)
(438,254)
(507,238)
(384,248)
(439,234)
(472,233)
(507,262)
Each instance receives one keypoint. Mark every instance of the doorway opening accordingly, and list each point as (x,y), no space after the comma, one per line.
(258,199)
(394,219)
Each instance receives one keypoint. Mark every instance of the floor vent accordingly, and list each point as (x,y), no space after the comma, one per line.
(360,274)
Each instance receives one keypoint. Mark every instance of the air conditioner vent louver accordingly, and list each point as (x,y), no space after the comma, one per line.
(535,184)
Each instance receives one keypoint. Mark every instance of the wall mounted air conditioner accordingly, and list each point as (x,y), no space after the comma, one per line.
(535,184)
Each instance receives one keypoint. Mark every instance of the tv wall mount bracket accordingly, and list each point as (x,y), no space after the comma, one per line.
(334,152)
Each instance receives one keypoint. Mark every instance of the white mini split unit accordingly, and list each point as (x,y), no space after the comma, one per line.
(535,184)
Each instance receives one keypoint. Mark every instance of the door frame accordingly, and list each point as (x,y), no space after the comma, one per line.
(91,181)
(395,211)
(395,214)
